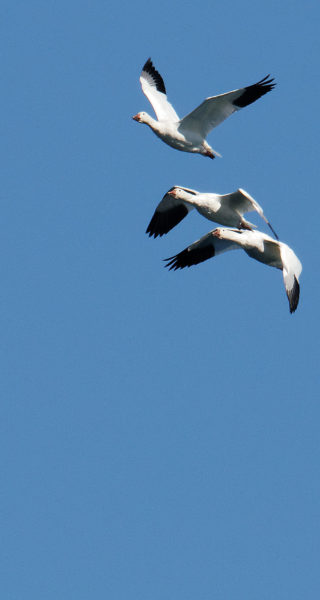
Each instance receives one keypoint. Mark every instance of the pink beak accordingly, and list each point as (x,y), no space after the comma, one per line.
(172,193)
(136,117)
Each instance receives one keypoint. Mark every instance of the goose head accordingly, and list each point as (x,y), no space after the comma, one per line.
(181,193)
(142,117)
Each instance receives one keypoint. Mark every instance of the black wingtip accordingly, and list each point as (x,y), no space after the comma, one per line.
(189,257)
(163,221)
(152,233)
(273,231)
(294,295)
(255,91)
(147,65)
(179,261)
(150,69)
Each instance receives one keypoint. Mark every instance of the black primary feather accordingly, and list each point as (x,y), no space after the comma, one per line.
(255,91)
(293,295)
(150,69)
(162,222)
(188,257)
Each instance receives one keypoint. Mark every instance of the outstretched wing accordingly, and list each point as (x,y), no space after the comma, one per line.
(153,87)
(201,250)
(216,109)
(169,212)
(242,202)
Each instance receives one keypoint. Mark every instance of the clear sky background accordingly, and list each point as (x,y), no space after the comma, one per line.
(159,431)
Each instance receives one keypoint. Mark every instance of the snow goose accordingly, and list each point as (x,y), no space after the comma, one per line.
(188,134)
(256,244)
(227,209)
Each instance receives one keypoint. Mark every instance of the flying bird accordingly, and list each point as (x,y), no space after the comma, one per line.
(227,209)
(256,244)
(189,134)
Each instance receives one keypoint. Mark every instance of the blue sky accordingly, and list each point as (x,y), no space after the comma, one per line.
(159,431)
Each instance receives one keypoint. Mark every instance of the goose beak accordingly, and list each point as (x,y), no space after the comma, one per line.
(136,117)
(172,193)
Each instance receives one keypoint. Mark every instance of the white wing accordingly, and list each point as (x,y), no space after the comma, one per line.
(201,250)
(169,212)
(242,202)
(216,109)
(153,87)
(292,268)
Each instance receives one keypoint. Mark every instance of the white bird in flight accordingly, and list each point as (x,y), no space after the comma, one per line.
(227,209)
(189,134)
(256,244)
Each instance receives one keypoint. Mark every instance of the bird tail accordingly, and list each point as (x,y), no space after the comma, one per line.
(216,153)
